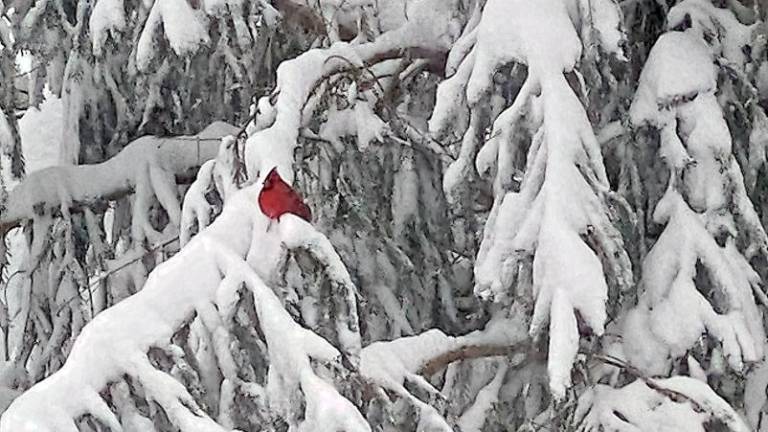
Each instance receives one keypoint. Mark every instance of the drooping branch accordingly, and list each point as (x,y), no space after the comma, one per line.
(391,362)
(698,261)
(80,186)
(557,222)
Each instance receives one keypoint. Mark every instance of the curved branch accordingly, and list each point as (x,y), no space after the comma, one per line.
(84,185)
(469,352)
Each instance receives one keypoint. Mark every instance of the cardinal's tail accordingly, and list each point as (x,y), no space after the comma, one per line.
(306,213)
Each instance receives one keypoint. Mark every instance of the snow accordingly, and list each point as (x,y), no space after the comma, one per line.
(274,145)
(107,19)
(114,343)
(430,25)
(474,417)
(451,102)
(706,399)
(555,222)
(360,121)
(579,285)
(503,131)
(678,67)
(672,314)
(604,18)
(641,406)
(39,130)
(110,346)
(185,29)
(74,95)
(758,146)
(514,31)
(457,172)
(291,346)
(296,233)
(76,184)
(557,202)
(196,210)
(729,35)
(6,136)
(144,164)
(6,36)
(755,395)
(392,364)
(132,419)
(463,47)
(695,370)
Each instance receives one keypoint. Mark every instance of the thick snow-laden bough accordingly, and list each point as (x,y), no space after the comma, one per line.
(712,228)
(200,279)
(561,203)
(275,143)
(49,204)
(555,161)
(704,175)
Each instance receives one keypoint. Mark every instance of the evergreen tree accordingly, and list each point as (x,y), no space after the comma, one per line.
(527,216)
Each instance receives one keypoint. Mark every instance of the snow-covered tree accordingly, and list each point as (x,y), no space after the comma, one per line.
(527,215)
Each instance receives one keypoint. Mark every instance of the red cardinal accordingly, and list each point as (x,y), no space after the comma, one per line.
(278,197)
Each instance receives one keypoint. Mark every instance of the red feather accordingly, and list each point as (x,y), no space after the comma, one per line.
(278,198)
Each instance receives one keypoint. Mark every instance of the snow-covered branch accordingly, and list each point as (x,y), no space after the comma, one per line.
(559,218)
(376,315)
(677,403)
(431,27)
(700,263)
(149,166)
(408,360)
(202,280)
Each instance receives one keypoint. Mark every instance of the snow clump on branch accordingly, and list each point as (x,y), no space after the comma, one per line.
(705,209)
(559,217)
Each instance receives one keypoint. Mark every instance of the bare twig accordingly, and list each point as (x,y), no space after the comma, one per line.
(21,74)
(467,353)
